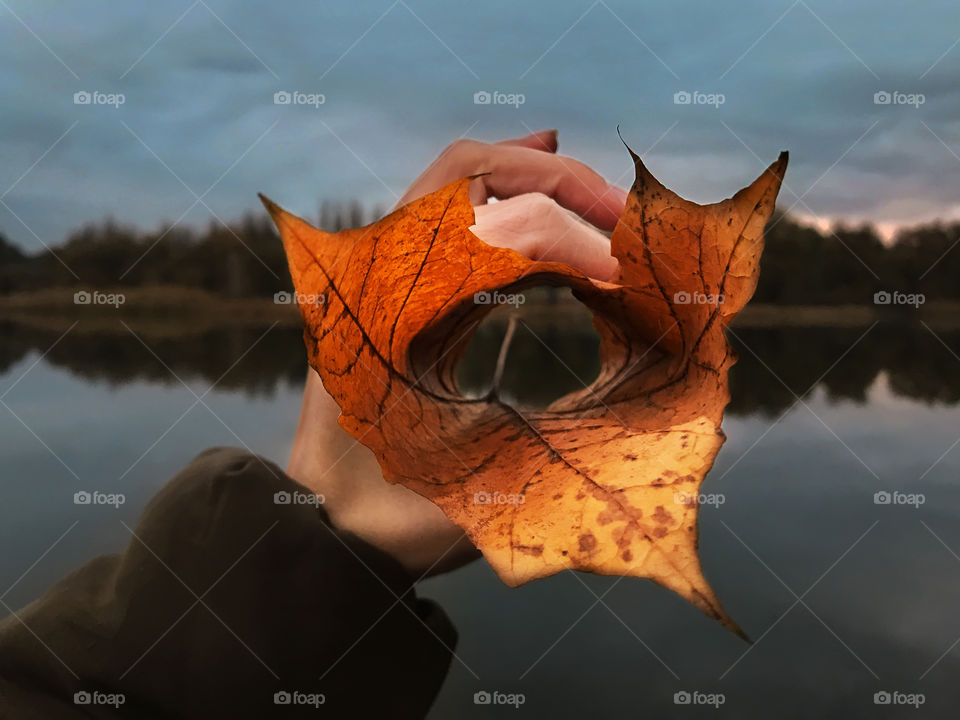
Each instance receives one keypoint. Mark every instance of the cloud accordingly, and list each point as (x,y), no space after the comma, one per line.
(398,85)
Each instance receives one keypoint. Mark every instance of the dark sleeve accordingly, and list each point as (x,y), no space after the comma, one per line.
(227,603)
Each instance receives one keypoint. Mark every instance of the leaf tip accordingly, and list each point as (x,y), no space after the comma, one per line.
(736,630)
(636,158)
(780,166)
(272,208)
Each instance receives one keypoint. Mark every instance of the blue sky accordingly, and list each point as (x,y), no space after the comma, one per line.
(398,81)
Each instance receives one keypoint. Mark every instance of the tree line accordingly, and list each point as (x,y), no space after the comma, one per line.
(800,266)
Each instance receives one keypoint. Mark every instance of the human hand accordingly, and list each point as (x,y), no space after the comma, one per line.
(542,198)
(545,199)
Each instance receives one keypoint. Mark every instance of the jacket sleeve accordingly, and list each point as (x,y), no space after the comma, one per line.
(237,598)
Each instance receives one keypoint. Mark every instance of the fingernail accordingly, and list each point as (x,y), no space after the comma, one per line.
(551,136)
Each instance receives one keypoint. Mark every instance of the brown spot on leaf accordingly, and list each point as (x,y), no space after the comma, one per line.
(534,550)
(588,542)
(662,516)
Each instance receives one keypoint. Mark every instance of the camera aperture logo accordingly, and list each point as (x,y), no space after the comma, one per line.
(895,97)
(295,697)
(896,497)
(296,97)
(496,697)
(495,297)
(85,97)
(483,97)
(684,97)
(95,697)
(298,298)
(96,497)
(297,497)
(697,298)
(95,297)
(896,697)
(883,297)
(498,498)
(695,697)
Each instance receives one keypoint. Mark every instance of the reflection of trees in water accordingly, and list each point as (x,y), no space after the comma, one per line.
(773,362)
(121,358)
(917,364)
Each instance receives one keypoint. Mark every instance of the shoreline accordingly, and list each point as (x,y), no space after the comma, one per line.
(176,310)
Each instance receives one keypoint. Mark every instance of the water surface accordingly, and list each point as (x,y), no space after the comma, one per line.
(875,410)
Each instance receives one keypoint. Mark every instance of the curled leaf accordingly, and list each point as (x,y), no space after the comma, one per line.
(604,480)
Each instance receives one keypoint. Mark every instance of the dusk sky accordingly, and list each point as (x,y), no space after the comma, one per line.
(398,80)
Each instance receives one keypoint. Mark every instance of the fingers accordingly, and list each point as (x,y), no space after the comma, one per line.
(518,170)
(538,228)
(545,140)
(524,165)
(462,158)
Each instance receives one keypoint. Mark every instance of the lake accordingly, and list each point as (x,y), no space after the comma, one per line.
(843,596)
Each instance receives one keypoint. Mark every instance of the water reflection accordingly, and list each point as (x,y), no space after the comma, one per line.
(798,493)
(775,363)
(548,358)
(269,358)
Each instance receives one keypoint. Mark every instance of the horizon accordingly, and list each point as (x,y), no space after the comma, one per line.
(888,233)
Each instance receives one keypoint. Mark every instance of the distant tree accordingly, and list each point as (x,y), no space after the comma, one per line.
(9,253)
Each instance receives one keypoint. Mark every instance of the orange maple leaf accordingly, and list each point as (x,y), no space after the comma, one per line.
(604,480)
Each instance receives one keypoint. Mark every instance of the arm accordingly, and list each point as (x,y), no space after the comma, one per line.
(227,602)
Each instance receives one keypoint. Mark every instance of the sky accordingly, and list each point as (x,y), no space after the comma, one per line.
(385,85)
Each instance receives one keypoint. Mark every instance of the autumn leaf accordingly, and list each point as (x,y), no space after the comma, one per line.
(604,480)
